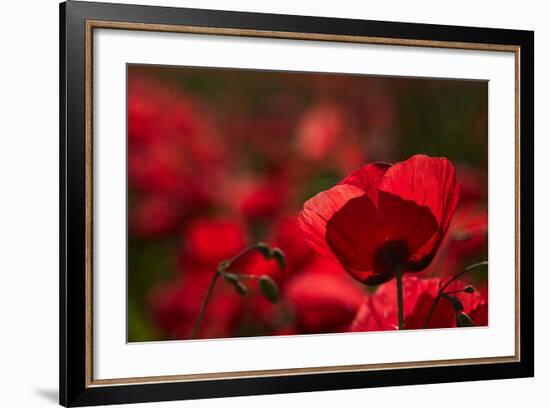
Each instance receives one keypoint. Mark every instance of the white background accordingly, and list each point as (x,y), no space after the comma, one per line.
(29,203)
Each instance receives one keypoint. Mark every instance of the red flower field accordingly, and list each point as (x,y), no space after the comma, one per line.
(273,203)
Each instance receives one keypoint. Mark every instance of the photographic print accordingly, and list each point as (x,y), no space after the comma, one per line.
(267,203)
(262,204)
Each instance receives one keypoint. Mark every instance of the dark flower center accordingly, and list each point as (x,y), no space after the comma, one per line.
(391,254)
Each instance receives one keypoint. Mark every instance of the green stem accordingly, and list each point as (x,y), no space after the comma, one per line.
(198,322)
(246,276)
(399,279)
(454,292)
(459,274)
(441,291)
(242,254)
(224,266)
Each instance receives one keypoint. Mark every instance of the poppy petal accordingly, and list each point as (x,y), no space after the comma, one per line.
(375,314)
(368,178)
(354,234)
(431,183)
(379,311)
(428,181)
(323,302)
(405,221)
(442,316)
(319,210)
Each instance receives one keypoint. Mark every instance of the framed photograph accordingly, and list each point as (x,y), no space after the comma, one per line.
(256,203)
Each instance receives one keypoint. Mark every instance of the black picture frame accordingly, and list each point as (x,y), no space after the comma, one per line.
(75,390)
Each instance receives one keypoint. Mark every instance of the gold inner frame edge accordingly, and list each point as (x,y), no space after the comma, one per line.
(93,24)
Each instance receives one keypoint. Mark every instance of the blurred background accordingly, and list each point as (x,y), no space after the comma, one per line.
(219,159)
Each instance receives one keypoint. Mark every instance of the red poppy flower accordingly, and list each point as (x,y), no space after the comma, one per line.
(323,302)
(384,216)
(379,311)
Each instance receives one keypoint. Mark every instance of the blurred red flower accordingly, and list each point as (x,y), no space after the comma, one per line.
(319,131)
(383,216)
(173,150)
(208,241)
(264,200)
(287,237)
(324,266)
(469,231)
(175,307)
(255,264)
(465,242)
(290,239)
(160,170)
(290,280)
(153,216)
(323,302)
(328,135)
(379,311)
